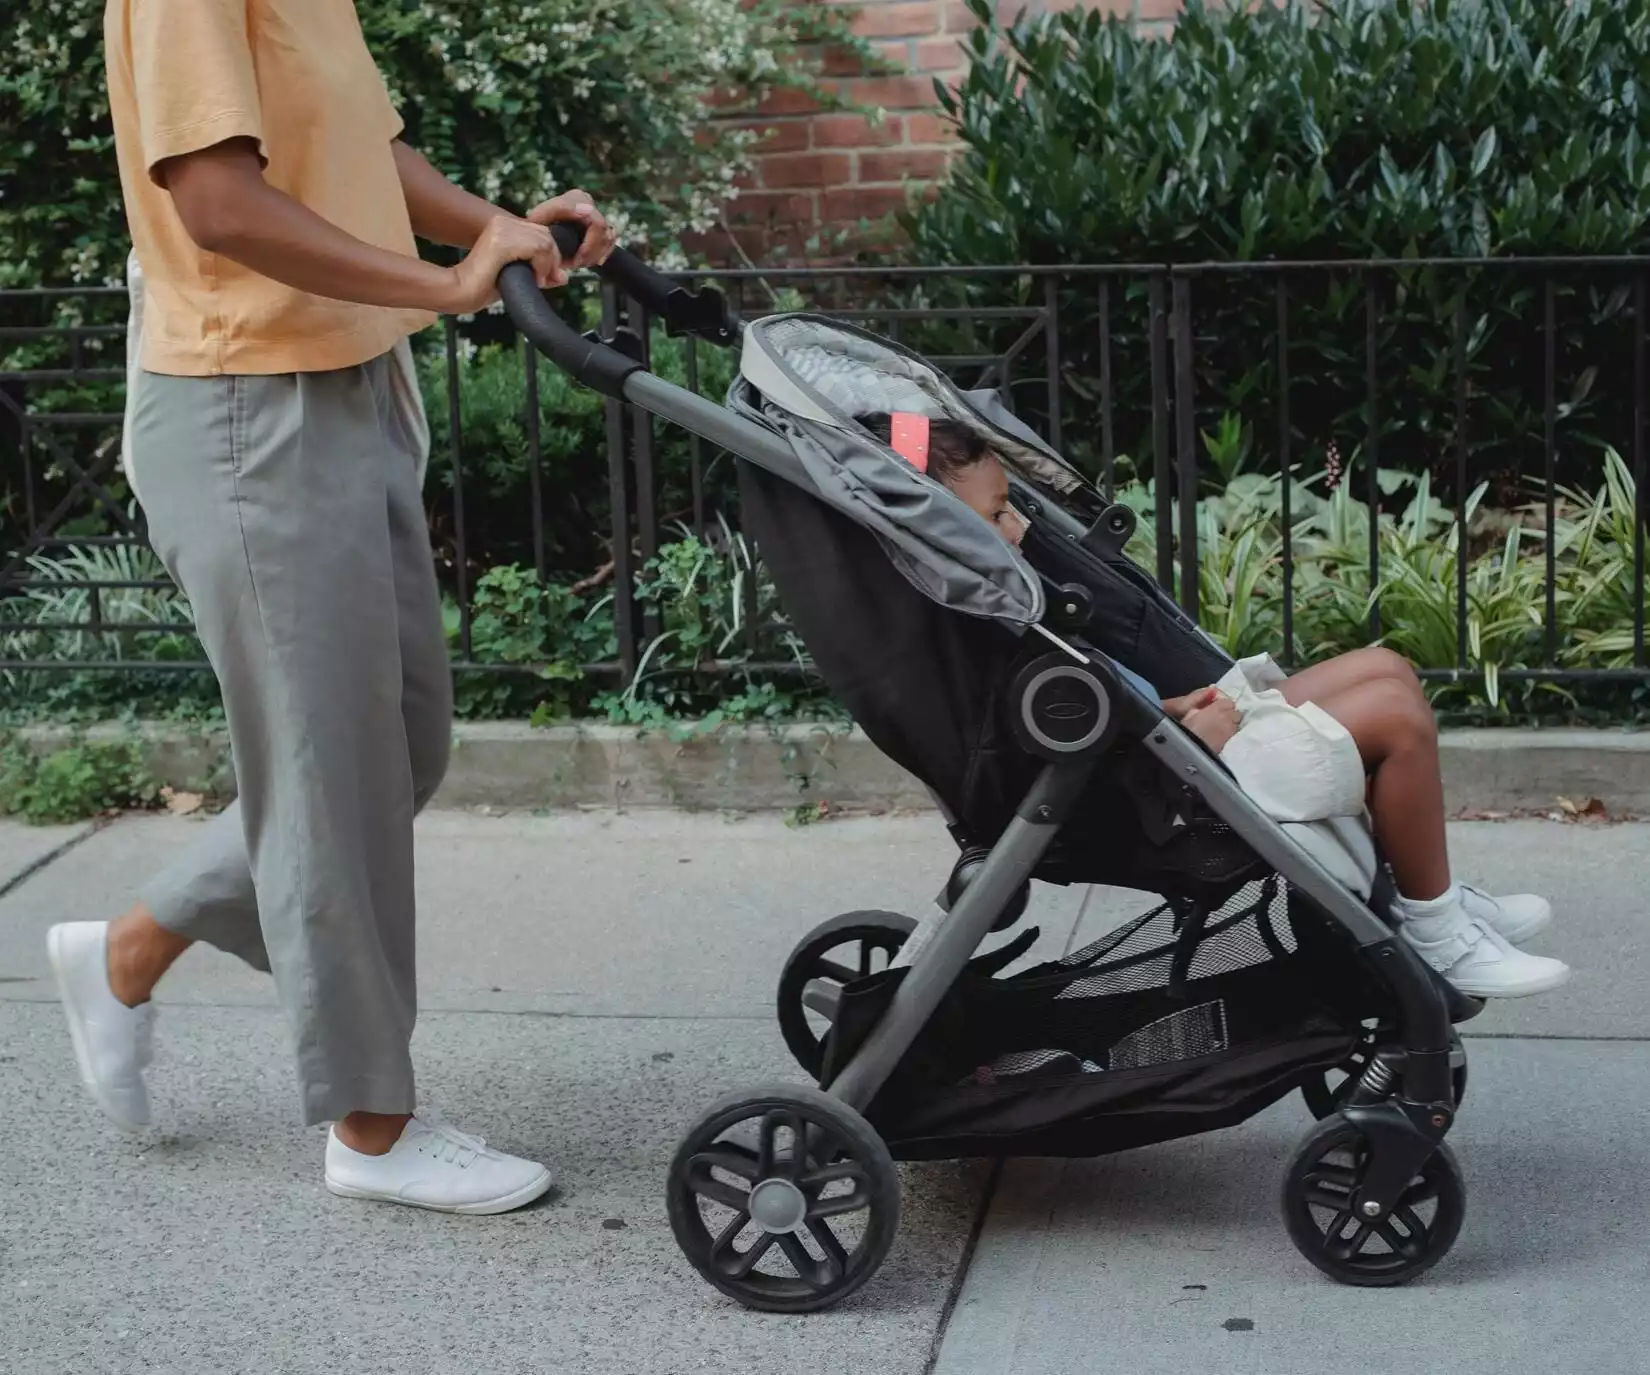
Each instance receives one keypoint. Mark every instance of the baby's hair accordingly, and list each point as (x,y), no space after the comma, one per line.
(953,448)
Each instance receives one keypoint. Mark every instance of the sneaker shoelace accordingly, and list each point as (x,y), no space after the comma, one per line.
(444,1141)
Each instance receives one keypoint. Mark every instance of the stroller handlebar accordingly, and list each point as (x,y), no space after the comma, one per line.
(598,365)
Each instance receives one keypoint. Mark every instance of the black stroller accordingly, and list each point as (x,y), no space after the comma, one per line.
(1267,967)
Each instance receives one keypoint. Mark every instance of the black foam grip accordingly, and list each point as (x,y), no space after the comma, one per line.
(624,269)
(588,360)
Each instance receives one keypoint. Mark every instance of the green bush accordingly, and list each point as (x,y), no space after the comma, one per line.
(711,621)
(1344,130)
(1240,583)
(576,509)
(516,98)
(74,782)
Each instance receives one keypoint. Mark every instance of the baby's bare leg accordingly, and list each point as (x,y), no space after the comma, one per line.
(1322,683)
(1397,738)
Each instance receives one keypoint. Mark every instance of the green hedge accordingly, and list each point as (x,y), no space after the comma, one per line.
(515,98)
(1346,130)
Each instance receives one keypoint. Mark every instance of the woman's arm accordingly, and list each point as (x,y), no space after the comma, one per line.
(445,213)
(228,208)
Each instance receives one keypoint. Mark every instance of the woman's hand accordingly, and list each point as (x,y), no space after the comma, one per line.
(576,207)
(1215,723)
(473,284)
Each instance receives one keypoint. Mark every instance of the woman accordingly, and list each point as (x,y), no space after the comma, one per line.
(1373,695)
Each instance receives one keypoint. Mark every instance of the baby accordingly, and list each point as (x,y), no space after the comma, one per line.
(1374,694)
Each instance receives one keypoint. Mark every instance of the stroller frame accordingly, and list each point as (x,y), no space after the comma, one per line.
(1399,1115)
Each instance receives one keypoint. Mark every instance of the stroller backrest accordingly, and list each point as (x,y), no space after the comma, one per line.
(910,604)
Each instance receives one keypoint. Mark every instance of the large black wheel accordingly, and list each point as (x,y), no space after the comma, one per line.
(836,953)
(1327,1094)
(784,1198)
(1318,1190)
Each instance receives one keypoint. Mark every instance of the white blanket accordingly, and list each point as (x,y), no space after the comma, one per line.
(1296,763)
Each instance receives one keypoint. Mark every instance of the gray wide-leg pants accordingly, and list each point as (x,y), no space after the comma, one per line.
(288,510)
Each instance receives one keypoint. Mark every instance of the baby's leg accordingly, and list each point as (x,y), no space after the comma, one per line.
(1393,728)
(1322,683)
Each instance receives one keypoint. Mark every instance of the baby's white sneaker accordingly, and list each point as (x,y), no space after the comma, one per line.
(1471,953)
(1516,918)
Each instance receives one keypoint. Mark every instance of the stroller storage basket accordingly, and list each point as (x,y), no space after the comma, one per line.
(1180,1021)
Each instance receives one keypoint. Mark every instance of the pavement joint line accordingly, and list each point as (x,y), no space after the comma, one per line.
(965,1263)
(28,871)
(193,1006)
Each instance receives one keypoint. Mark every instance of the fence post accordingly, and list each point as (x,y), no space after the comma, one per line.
(1372,452)
(618,490)
(1186,443)
(1286,474)
(1162,477)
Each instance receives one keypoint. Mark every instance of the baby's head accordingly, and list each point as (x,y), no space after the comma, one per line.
(960,459)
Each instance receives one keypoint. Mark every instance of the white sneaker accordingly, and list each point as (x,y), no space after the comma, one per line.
(436,1166)
(1516,918)
(113,1043)
(1478,959)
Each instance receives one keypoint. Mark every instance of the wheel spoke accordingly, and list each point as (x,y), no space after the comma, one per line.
(729,1156)
(836,1256)
(851,1202)
(1407,1247)
(706,1185)
(736,1264)
(1325,1198)
(830,969)
(768,1160)
(1336,1177)
(817,1274)
(1410,1246)
(1344,1249)
(866,950)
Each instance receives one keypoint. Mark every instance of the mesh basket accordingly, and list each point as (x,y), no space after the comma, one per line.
(1182,1016)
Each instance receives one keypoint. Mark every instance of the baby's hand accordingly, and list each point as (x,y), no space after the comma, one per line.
(1179,707)
(1215,723)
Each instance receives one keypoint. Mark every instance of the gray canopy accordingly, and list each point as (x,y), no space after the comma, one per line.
(806,377)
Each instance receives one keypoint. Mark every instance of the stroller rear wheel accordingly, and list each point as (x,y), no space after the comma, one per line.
(1320,1185)
(784,1198)
(831,956)
(1327,1094)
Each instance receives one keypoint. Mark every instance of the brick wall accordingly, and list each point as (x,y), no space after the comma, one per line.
(819,169)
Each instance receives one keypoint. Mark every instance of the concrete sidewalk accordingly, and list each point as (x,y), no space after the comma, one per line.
(591,982)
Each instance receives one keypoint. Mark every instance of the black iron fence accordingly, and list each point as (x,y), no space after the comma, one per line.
(1253,393)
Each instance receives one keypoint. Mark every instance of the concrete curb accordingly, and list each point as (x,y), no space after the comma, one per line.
(743,768)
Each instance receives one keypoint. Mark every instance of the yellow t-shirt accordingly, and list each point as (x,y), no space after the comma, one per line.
(296,76)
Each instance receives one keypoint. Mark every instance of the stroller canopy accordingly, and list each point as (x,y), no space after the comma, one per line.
(806,377)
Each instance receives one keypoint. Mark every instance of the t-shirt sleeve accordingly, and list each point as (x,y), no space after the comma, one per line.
(194,78)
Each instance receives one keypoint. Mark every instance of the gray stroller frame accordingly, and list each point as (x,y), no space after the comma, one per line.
(1375,1163)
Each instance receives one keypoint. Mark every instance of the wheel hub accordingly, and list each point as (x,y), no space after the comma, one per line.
(777,1205)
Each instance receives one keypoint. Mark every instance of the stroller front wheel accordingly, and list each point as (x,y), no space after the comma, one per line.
(1325,1176)
(784,1198)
